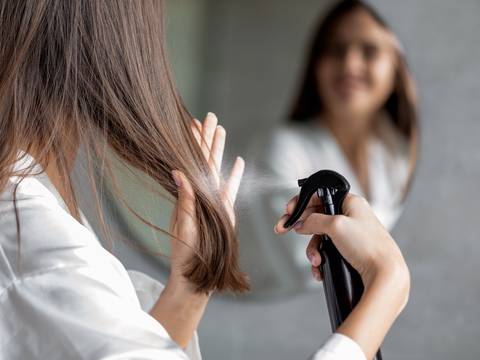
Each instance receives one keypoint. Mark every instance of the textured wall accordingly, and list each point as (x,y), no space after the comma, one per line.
(252,60)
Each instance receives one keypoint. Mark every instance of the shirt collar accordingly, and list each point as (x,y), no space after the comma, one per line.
(36,181)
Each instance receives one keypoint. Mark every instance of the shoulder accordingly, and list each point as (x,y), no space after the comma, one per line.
(49,237)
(291,147)
(281,140)
(296,133)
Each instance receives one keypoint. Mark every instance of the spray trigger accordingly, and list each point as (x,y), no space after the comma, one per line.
(329,185)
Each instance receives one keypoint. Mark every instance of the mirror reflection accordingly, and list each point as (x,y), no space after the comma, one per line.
(352,110)
(355,113)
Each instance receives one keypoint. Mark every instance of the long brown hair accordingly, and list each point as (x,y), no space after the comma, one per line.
(95,74)
(401,104)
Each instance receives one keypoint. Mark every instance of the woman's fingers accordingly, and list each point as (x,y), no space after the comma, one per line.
(314,201)
(233,183)
(199,125)
(314,205)
(208,132)
(279,228)
(318,223)
(313,255)
(185,207)
(230,188)
(211,138)
(197,131)
(317,274)
(291,204)
(216,154)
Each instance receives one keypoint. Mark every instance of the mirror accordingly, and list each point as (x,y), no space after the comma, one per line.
(337,93)
(354,111)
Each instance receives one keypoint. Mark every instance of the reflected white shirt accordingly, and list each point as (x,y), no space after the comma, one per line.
(66,297)
(296,151)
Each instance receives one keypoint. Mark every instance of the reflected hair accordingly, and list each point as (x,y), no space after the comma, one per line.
(400,105)
(94,74)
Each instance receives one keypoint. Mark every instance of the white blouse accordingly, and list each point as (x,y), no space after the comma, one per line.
(297,151)
(63,296)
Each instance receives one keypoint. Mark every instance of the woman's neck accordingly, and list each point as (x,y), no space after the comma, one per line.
(55,176)
(353,138)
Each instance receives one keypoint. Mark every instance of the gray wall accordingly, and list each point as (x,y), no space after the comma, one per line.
(250,67)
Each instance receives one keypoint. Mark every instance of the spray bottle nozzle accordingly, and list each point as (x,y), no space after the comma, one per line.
(330,186)
(301,181)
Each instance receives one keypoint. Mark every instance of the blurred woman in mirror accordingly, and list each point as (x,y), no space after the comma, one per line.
(355,113)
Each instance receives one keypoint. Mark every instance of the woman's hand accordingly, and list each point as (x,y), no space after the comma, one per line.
(358,235)
(179,308)
(211,138)
(370,249)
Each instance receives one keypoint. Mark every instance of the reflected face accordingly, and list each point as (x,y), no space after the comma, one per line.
(356,74)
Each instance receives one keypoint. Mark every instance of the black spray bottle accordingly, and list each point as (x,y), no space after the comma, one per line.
(342,283)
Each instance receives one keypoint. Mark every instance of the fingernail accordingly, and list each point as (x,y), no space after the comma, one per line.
(275,229)
(298,225)
(176,178)
(210,114)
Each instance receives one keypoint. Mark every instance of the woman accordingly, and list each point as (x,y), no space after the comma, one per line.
(356,110)
(355,113)
(94,75)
